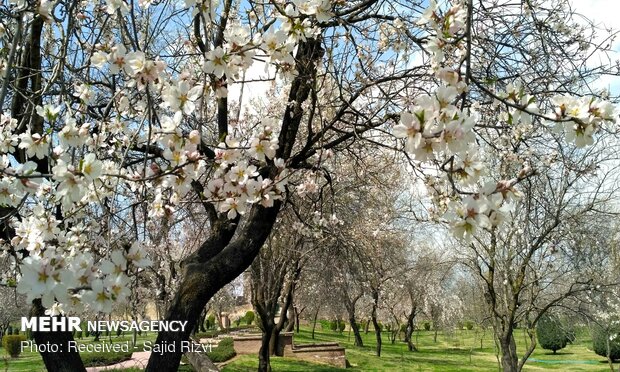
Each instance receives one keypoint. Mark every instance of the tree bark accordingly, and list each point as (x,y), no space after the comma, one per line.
(316,314)
(356,331)
(264,353)
(409,330)
(297,315)
(64,360)
(350,306)
(291,319)
(375,323)
(201,280)
(508,348)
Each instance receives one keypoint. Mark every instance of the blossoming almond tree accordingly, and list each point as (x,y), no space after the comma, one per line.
(115,114)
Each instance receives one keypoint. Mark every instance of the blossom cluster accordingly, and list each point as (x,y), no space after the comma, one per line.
(436,129)
(237,183)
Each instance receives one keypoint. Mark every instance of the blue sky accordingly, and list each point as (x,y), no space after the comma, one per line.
(604,12)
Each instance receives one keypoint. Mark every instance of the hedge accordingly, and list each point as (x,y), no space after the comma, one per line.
(223,351)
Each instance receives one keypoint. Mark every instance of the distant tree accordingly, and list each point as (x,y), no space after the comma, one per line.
(552,334)
(606,342)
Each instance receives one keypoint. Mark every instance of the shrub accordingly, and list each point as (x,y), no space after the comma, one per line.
(13,344)
(427,326)
(78,334)
(469,325)
(601,336)
(551,333)
(210,321)
(249,317)
(9,330)
(227,342)
(223,351)
(333,325)
(325,324)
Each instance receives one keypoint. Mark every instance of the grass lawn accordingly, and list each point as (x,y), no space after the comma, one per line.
(458,352)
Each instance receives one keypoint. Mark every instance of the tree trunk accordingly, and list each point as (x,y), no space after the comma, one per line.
(350,307)
(200,327)
(220,321)
(409,331)
(284,311)
(206,272)
(377,333)
(316,314)
(64,360)
(367,326)
(23,109)
(375,323)
(274,341)
(508,348)
(297,314)
(435,334)
(356,331)
(291,319)
(264,353)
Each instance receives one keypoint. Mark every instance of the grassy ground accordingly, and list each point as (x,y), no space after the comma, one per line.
(453,352)
(31,362)
(457,352)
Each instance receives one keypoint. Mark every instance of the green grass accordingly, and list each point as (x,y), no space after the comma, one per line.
(457,352)
(31,362)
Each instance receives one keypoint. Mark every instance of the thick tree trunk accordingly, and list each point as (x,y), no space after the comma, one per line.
(508,349)
(64,360)
(205,272)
